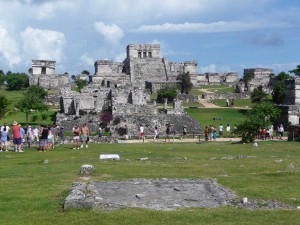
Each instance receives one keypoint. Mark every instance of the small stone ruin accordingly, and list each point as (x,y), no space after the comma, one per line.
(157,194)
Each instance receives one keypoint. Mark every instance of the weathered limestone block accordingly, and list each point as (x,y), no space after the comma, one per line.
(86,169)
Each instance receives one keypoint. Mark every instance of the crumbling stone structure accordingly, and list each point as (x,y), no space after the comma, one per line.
(291,105)
(230,78)
(261,78)
(43,74)
(142,64)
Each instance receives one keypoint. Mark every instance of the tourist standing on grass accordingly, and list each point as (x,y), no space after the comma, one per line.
(280,131)
(61,134)
(271,131)
(214,134)
(4,135)
(76,136)
(16,136)
(156,134)
(206,133)
(23,135)
(36,133)
(227,102)
(184,132)
(168,131)
(142,133)
(228,130)
(221,130)
(85,132)
(43,138)
(29,136)
(99,134)
(5,126)
(235,130)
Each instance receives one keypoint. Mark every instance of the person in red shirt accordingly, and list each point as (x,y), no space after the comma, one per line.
(16,136)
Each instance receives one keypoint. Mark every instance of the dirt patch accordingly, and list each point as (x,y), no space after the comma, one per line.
(157,194)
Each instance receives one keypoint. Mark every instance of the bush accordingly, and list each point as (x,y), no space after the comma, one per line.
(34,118)
(44,116)
(122,131)
(116,121)
(168,91)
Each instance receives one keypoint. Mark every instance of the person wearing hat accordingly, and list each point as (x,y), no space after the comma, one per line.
(17,136)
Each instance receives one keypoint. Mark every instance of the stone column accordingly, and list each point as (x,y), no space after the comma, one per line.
(165,104)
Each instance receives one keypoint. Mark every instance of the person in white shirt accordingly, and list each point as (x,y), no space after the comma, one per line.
(221,130)
(142,134)
(228,130)
(35,134)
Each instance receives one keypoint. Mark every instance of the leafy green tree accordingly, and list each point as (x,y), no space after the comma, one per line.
(33,99)
(258,95)
(4,103)
(30,70)
(247,78)
(2,78)
(85,72)
(278,93)
(261,115)
(36,90)
(186,84)
(296,71)
(168,91)
(80,83)
(16,81)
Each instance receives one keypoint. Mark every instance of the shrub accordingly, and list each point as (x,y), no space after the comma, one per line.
(44,116)
(168,91)
(34,118)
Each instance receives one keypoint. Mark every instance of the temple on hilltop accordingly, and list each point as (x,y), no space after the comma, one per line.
(43,74)
(142,66)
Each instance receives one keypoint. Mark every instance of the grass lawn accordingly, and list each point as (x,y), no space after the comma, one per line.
(33,192)
(237,102)
(220,89)
(205,116)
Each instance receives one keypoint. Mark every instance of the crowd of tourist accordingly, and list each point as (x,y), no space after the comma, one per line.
(13,138)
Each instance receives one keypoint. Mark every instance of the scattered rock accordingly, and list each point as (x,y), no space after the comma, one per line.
(86,169)
(143,159)
(46,161)
(279,161)
(255,144)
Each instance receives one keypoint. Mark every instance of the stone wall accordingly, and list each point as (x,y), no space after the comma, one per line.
(244,95)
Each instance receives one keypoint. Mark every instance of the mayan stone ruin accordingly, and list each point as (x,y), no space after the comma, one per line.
(124,89)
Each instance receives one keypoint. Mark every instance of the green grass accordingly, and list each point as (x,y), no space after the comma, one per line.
(237,102)
(33,192)
(220,89)
(205,116)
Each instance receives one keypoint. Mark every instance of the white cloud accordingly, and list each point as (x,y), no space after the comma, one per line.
(120,57)
(43,44)
(9,47)
(110,32)
(213,27)
(48,10)
(86,60)
(212,68)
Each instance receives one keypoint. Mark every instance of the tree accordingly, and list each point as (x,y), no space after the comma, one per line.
(186,84)
(278,93)
(247,78)
(16,81)
(258,95)
(30,70)
(4,102)
(261,115)
(168,91)
(2,78)
(85,72)
(80,83)
(296,71)
(33,99)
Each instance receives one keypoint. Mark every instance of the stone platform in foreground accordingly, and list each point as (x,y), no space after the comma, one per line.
(157,194)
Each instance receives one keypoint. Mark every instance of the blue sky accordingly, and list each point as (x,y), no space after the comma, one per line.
(221,35)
